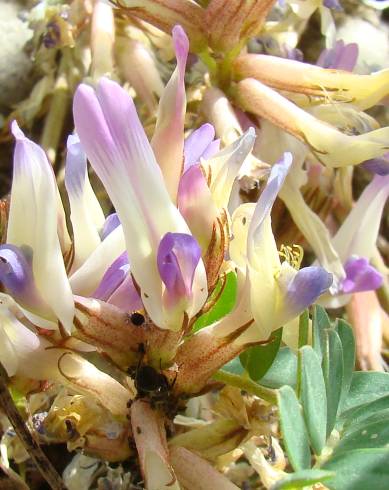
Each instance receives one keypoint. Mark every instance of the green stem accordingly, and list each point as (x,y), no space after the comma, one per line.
(303,328)
(55,118)
(248,385)
(225,67)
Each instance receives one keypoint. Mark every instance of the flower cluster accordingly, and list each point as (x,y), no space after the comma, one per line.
(106,310)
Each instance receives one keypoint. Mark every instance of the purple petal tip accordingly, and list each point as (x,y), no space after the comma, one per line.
(177,258)
(360,276)
(379,166)
(181,47)
(16,131)
(308,284)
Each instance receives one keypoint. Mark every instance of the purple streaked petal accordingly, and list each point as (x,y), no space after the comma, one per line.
(168,138)
(119,152)
(379,166)
(197,143)
(359,231)
(332,4)
(112,221)
(212,149)
(75,169)
(85,212)
(33,225)
(117,286)
(225,167)
(178,257)
(17,278)
(293,53)
(266,200)
(194,200)
(360,276)
(341,56)
(126,296)
(113,278)
(87,278)
(303,290)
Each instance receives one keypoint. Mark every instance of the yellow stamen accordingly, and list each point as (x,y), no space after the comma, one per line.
(292,254)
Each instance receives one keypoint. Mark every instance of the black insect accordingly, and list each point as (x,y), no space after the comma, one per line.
(149,383)
(153,386)
(137,318)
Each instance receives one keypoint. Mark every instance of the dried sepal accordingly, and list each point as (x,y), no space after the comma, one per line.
(230,22)
(109,329)
(168,13)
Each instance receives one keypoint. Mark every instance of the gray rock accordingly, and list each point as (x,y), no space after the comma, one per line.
(15,65)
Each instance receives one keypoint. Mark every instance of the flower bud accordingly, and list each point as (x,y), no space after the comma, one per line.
(102,39)
(146,79)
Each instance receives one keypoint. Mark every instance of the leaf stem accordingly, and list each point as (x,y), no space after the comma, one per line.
(246,384)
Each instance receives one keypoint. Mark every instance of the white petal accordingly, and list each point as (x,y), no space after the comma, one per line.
(225,167)
(86,279)
(82,202)
(358,233)
(241,220)
(33,224)
(16,340)
(168,138)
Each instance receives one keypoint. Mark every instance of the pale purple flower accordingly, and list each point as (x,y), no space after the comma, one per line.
(360,276)
(117,286)
(195,202)
(118,150)
(111,222)
(200,144)
(293,290)
(113,278)
(332,4)
(17,279)
(379,166)
(303,290)
(341,57)
(168,138)
(277,292)
(86,214)
(35,222)
(177,258)
(292,53)
(358,233)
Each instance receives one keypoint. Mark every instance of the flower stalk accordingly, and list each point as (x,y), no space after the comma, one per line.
(246,384)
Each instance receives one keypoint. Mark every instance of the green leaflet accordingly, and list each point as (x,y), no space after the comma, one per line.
(313,397)
(360,469)
(293,429)
(303,479)
(257,360)
(223,305)
(333,371)
(283,371)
